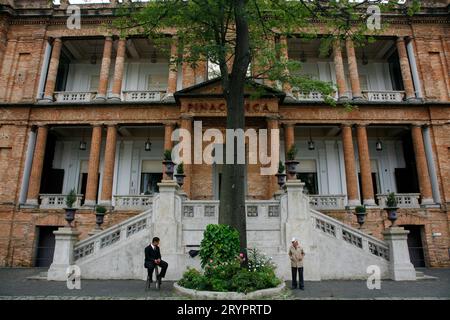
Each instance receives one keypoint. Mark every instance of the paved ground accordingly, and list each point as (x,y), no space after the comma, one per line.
(15,284)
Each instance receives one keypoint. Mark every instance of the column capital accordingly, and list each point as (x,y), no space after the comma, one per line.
(96,124)
(186,117)
(362,125)
(418,124)
(273,117)
(289,124)
(400,39)
(169,123)
(347,124)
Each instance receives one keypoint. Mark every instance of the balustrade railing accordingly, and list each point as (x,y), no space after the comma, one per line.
(70,97)
(404,200)
(133,202)
(327,202)
(110,236)
(384,96)
(57,201)
(143,96)
(352,236)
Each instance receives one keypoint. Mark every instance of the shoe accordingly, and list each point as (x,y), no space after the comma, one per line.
(301,288)
(294,287)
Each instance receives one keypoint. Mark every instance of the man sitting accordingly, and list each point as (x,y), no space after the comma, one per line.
(153,259)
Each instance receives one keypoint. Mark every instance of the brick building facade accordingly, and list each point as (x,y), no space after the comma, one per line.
(77,107)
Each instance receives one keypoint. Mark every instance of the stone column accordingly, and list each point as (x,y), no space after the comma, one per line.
(298,224)
(353,69)
(422,167)
(65,239)
(108,169)
(405,69)
(289,136)
(53,70)
(350,166)
(340,73)
(94,162)
(27,166)
(168,143)
(104,71)
(287,88)
(186,123)
(173,70)
(272,124)
(118,70)
(364,165)
(36,168)
(400,266)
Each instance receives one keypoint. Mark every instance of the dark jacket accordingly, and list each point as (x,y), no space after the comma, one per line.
(151,255)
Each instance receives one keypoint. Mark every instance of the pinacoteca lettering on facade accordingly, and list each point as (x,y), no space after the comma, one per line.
(221,107)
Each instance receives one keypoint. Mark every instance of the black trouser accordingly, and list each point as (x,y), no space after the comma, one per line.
(294,277)
(151,266)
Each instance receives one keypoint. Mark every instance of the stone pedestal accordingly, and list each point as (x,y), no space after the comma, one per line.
(65,239)
(298,224)
(400,268)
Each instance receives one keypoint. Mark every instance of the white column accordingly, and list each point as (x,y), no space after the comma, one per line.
(27,166)
(400,266)
(65,239)
(44,70)
(431,166)
(414,71)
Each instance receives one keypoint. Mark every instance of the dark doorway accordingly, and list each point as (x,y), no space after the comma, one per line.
(45,246)
(415,245)
(83,187)
(374,186)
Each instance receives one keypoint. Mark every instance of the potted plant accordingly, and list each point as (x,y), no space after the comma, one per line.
(179,176)
(281,176)
(99,216)
(291,163)
(71,198)
(360,212)
(391,207)
(168,163)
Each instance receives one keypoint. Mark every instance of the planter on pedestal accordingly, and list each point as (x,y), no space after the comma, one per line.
(360,212)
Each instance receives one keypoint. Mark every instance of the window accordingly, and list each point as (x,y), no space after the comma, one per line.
(308,174)
(214,70)
(157,82)
(151,175)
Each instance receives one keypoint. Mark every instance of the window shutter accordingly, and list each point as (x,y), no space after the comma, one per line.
(307,166)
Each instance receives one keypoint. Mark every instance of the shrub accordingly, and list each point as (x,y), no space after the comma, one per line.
(360,209)
(71,198)
(193,279)
(391,201)
(258,261)
(220,244)
(281,168)
(290,155)
(167,155)
(180,168)
(100,209)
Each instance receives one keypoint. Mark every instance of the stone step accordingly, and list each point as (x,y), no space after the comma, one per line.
(420,275)
(39,276)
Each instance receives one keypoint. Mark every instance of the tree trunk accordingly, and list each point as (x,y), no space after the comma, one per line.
(232,201)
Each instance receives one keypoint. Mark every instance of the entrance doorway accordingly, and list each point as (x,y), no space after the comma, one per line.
(45,246)
(415,245)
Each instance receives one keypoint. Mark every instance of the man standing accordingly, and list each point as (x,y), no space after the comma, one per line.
(153,259)
(296,255)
